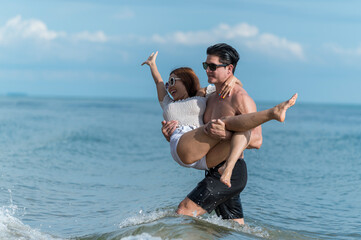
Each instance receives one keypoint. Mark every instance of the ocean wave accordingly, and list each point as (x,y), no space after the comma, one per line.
(142,218)
(143,236)
(11,228)
(166,224)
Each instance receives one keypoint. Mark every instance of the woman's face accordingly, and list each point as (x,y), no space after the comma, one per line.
(178,90)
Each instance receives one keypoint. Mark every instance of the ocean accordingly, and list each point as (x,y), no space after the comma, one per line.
(75,168)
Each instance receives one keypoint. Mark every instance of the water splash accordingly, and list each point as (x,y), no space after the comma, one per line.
(169,225)
(143,236)
(12,228)
(146,217)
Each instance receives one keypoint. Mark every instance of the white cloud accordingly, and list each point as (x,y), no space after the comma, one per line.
(347,52)
(91,37)
(243,33)
(17,29)
(242,30)
(221,32)
(274,45)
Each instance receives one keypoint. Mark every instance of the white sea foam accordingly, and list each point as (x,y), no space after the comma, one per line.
(143,236)
(142,217)
(147,217)
(12,228)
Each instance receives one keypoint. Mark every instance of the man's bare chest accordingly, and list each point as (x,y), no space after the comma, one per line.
(218,108)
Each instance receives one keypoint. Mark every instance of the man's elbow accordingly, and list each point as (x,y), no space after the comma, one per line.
(256,143)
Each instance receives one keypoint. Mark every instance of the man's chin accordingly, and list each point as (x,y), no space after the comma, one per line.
(212,80)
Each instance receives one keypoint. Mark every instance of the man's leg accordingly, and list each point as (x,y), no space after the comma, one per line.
(240,221)
(211,193)
(190,208)
(231,209)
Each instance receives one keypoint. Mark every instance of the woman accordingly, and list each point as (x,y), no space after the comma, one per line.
(188,106)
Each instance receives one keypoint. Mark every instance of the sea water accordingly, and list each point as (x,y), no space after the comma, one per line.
(101,169)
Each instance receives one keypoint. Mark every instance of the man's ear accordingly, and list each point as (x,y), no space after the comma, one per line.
(230,68)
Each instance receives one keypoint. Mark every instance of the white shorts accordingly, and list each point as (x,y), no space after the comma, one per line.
(174,139)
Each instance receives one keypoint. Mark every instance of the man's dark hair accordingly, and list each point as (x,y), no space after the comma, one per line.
(226,54)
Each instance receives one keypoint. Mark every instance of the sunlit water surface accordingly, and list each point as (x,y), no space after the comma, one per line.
(100,169)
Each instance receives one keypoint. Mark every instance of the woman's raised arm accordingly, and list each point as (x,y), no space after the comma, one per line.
(162,92)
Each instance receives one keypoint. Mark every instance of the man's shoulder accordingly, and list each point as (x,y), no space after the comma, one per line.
(242,101)
(240,94)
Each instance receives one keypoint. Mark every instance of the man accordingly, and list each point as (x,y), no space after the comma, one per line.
(211,194)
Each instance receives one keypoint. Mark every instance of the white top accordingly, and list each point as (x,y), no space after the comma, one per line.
(189,111)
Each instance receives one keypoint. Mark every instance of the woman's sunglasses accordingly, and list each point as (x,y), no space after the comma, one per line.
(171,82)
(213,66)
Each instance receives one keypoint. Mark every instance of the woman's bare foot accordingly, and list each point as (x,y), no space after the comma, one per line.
(279,111)
(226,175)
(221,169)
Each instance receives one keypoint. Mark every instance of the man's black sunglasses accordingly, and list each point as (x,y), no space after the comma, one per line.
(213,66)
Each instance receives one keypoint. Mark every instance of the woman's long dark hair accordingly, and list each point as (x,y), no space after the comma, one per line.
(189,79)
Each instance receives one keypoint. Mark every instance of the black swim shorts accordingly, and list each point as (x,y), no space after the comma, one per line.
(211,194)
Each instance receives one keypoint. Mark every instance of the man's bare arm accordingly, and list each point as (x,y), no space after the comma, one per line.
(256,138)
(245,104)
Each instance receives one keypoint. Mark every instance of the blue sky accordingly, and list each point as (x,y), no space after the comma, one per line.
(95,48)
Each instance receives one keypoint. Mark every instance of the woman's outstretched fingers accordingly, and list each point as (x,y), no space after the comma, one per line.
(151,58)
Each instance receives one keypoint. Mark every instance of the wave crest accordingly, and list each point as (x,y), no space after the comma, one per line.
(12,228)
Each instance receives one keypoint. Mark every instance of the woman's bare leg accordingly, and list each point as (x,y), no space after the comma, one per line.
(239,143)
(195,144)
(245,122)
(218,154)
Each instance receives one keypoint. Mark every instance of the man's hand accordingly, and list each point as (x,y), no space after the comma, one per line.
(216,128)
(168,128)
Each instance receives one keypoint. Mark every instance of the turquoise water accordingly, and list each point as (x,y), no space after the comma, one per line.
(100,169)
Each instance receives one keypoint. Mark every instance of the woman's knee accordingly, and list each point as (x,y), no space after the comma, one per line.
(186,155)
(246,135)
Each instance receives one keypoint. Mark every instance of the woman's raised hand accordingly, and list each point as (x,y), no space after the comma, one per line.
(151,59)
(228,86)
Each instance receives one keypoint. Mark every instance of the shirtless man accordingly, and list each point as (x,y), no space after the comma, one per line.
(211,194)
